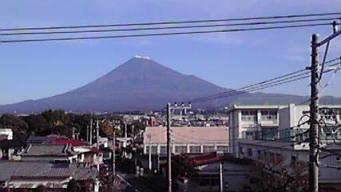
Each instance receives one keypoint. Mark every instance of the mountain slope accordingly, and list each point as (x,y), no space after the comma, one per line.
(138,84)
(142,84)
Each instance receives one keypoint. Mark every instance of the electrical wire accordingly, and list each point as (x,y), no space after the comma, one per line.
(163,34)
(167,27)
(175,22)
(283,79)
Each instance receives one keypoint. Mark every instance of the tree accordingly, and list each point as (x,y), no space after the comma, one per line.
(17,124)
(277,175)
(73,186)
(106,128)
(181,166)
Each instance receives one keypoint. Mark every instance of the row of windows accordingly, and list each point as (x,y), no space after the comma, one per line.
(192,149)
(265,115)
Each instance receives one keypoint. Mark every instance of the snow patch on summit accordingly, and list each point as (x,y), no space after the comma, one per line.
(142,57)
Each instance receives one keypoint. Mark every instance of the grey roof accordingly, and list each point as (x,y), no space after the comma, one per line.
(47,150)
(42,170)
(11,144)
(37,139)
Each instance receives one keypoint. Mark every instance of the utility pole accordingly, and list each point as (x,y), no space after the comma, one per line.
(73,133)
(97,134)
(125,130)
(87,133)
(169,149)
(314,105)
(150,152)
(221,178)
(90,131)
(170,107)
(113,151)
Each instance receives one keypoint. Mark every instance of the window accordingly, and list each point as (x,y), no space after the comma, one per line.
(208,148)
(248,134)
(249,115)
(223,148)
(180,149)
(269,115)
(154,149)
(163,149)
(249,152)
(195,149)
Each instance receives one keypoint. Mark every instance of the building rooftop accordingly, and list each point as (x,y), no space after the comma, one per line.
(276,144)
(187,135)
(47,150)
(16,170)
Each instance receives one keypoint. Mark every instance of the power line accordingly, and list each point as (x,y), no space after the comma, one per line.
(174,22)
(164,34)
(168,27)
(283,79)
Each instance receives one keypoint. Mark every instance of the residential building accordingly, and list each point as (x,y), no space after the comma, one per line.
(192,140)
(31,175)
(49,153)
(10,149)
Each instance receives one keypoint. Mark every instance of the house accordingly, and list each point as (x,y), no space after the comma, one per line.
(49,153)
(54,177)
(9,149)
(192,140)
(86,155)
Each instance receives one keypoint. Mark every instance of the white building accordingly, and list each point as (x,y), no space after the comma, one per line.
(293,124)
(6,134)
(265,133)
(252,122)
(289,153)
(278,122)
(186,140)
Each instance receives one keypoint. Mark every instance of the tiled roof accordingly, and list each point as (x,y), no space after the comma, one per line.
(37,139)
(187,135)
(46,150)
(65,141)
(21,170)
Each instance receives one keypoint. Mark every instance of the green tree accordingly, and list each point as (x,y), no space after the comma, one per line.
(17,124)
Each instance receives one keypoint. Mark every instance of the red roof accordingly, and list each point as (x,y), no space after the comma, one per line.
(205,159)
(65,141)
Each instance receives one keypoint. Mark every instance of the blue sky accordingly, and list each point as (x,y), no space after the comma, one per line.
(37,70)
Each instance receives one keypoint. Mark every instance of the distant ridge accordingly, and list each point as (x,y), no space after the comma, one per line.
(141,84)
